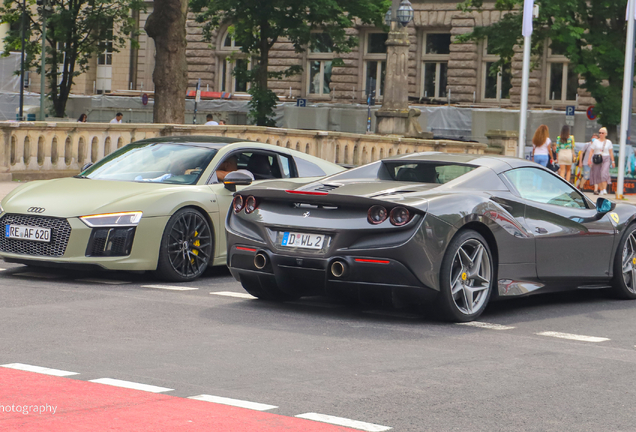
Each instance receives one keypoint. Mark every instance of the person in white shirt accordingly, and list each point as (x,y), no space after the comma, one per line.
(117,118)
(599,174)
(209,121)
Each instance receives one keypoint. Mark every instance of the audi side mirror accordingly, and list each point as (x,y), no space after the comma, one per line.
(604,205)
(87,166)
(234,179)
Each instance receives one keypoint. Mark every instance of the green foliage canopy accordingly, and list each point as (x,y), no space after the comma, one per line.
(258,24)
(76,31)
(590,33)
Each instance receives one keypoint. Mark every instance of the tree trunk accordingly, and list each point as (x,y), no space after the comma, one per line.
(166,25)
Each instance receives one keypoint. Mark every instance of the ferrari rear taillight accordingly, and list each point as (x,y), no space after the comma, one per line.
(237,204)
(399,216)
(377,214)
(250,204)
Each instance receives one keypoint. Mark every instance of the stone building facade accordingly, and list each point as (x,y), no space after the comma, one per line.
(440,70)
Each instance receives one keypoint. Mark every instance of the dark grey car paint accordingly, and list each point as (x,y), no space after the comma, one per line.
(537,247)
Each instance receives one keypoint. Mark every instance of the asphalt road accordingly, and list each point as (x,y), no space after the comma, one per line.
(366,363)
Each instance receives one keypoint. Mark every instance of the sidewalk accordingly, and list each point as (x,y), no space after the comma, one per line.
(6,187)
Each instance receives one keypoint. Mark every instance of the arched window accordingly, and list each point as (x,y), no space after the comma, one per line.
(231,62)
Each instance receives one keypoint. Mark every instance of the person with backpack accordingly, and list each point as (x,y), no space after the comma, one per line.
(600,159)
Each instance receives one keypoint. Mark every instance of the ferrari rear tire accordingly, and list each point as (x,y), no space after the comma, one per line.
(186,246)
(624,281)
(264,289)
(466,277)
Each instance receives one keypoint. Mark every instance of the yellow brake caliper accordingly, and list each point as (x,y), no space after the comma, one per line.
(196,243)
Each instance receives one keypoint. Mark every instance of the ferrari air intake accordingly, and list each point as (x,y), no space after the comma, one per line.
(260,261)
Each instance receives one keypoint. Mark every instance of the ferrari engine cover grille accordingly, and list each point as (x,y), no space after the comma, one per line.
(60,233)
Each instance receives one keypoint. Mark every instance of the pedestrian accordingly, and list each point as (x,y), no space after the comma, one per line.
(600,159)
(565,152)
(209,121)
(83,118)
(584,166)
(118,117)
(541,146)
(222,123)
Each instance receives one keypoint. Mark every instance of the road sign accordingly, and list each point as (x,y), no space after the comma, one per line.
(301,102)
(590,113)
(197,98)
(144,99)
(570,110)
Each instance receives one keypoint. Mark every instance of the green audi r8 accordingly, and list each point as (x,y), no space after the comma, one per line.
(156,204)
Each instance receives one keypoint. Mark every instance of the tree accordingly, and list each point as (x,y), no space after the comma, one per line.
(259,24)
(166,25)
(590,33)
(76,31)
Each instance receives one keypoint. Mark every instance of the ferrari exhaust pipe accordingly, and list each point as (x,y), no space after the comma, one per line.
(338,269)
(260,261)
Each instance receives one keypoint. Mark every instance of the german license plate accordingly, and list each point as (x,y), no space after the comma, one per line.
(27,233)
(308,241)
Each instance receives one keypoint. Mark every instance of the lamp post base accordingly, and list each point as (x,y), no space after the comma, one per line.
(400,122)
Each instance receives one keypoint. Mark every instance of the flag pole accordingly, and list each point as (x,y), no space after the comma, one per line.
(528,7)
(628,88)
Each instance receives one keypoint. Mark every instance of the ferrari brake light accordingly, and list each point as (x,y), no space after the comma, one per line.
(237,204)
(250,204)
(377,214)
(399,216)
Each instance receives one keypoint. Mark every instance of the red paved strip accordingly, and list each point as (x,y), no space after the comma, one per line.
(86,406)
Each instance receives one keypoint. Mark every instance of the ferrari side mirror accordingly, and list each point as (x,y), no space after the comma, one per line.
(604,205)
(236,178)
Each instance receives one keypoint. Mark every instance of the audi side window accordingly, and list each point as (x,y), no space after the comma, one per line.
(308,169)
(541,186)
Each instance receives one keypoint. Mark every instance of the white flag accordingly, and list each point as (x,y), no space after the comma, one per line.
(528,6)
(629,5)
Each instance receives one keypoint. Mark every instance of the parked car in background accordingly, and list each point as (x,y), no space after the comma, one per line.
(154,204)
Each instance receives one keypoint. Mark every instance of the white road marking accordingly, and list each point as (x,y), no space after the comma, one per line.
(38,275)
(234,402)
(489,326)
(234,294)
(1,269)
(130,385)
(103,281)
(573,337)
(170,287)
(39,369)
(344,422)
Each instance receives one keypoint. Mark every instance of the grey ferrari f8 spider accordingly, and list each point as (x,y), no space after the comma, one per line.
(452,231)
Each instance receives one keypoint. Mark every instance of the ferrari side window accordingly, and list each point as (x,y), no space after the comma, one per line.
(541,186)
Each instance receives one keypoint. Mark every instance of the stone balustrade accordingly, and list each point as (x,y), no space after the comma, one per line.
(34,150)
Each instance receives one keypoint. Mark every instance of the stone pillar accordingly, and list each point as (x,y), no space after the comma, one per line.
(534,83)
(505,140)
(463,63)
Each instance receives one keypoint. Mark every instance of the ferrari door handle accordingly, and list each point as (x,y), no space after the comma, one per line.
(541,230)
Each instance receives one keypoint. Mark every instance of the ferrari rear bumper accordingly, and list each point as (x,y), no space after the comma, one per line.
(334,275)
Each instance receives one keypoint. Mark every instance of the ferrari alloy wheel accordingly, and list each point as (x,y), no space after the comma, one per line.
(466,277)
(186,246)
(624,282)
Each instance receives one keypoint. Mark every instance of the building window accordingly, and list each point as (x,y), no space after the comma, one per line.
(319,64)
(232,62)
(435,64)
(496,84)
(105,63)
(375,63)
(563,82)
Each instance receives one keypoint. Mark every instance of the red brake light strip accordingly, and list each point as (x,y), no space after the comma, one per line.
(372,261)
(245,249)
(306,192)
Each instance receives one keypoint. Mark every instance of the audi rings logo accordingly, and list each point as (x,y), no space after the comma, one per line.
(36,210)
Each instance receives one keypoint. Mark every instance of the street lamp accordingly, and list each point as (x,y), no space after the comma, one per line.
(387,18)
(395,116)
(405,13)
